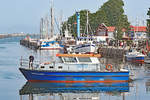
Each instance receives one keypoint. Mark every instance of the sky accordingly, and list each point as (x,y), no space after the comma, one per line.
(25,15)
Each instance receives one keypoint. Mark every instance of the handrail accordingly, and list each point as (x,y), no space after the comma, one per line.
(27,63)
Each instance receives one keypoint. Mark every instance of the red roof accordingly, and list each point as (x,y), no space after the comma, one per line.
(138,28)
(111,29)
(133,28)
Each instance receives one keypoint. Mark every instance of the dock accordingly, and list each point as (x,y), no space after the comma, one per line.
(112,52)
(30,43)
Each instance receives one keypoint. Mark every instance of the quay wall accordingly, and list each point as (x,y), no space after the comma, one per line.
(30,44)
(112,52)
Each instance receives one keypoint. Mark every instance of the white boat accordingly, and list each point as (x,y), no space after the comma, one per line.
(48,39)
(68,39)
(134,56)
(147,60)
(85,48)
(85,44)
(50,44)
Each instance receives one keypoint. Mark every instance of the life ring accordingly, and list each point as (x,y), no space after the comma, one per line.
(46,63)
(109,67)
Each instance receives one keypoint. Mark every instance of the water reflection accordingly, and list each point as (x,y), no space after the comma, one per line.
(74,91)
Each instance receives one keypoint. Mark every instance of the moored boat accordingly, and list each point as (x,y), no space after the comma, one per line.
(74,68)
(85,48)
(134,56)
(50,45)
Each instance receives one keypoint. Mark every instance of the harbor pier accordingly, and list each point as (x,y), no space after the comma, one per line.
(112,52)
(30,43)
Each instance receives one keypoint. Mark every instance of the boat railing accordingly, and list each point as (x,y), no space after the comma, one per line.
(25,63)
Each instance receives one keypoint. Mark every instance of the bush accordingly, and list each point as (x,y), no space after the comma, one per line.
(129,42)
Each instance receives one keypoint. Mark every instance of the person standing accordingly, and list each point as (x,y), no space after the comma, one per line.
(31,59)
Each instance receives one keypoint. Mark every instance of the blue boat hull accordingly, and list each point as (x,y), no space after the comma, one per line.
(71,77)
(135,58)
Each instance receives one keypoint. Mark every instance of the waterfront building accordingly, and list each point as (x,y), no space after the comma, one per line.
(138,32)
(104,33)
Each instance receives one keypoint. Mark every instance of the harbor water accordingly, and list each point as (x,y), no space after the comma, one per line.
(13,85)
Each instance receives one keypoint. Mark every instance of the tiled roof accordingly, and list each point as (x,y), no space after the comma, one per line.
(138,28)
(111,29)
(133,28)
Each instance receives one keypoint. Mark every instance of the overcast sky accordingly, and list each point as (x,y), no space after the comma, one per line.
(24,15)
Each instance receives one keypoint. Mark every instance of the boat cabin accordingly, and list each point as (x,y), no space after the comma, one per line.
(80,60)
(72,62)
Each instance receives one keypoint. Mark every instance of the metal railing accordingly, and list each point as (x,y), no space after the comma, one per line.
(27,64)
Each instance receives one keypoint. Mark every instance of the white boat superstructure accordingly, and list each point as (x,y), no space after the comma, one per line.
(71,62)
(50,44)
(85,48)
(85,45)
(67,63)
(68,40)
(134,54)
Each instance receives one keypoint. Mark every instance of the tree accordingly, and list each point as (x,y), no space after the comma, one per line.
(111,13)
(148,23)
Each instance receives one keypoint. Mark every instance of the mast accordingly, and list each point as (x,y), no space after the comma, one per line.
(60,23)
(78,24)
(88,27)
(52,20)
(44,28)
(41,28)
(47,25)
(87,24)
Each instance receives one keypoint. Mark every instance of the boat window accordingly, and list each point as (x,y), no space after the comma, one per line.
(70,59)
(60,60)
(85,59)
(42,67)
(60,67)
(51,66)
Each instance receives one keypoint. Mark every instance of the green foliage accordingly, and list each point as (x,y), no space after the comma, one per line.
(148,23)
(111,13)
(129,42)
(148,27)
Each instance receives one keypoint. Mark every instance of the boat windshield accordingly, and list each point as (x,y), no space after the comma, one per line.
(69,59)
(84,59)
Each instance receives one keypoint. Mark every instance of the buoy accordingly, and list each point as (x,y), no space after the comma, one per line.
(109,67)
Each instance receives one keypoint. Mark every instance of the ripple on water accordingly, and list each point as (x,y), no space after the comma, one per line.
(2,47)
(9,75)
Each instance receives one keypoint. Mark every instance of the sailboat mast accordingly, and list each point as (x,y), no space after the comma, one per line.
(52,19)
(41,28)
(87,24)
(47,25)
